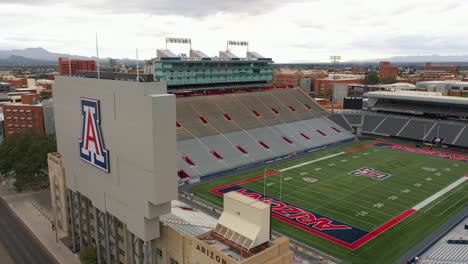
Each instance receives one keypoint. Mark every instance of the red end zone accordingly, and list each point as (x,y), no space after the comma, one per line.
(352,246)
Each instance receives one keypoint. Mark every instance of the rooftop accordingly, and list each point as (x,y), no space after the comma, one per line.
(418,96)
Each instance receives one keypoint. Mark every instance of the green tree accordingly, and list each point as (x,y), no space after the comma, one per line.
(23,156)
(88,255)
(372,78)
(388,80)
(45,94)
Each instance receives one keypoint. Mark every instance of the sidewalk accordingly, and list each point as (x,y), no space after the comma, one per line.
(34,209)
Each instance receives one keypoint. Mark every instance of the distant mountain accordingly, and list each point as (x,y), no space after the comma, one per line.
(43,55)
(422,59)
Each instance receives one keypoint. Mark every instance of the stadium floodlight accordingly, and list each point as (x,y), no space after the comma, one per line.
(237,43)
(334,59)
(179,41)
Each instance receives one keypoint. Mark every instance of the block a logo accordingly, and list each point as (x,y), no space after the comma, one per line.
(368,172)
(91,143)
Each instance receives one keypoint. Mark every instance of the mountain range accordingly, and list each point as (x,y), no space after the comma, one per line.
(43,56)
(420,59)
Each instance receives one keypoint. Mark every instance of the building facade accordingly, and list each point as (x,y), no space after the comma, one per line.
(24,116)
(324,87)
(449,68)
(387,71)
(5,87)
(67,67)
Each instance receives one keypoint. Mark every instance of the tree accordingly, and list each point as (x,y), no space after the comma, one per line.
(88,255)
(45,94)
(388,80)
(23,156)
(372,78)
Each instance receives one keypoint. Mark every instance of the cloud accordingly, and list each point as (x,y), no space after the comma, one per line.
(189,8)
(298,30)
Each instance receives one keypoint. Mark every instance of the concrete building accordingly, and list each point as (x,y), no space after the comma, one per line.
(67,66)
(49,121)
(387,71)
(115,175)
(24,116)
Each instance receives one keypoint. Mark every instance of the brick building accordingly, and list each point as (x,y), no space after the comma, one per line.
(75,65)
(293,77)
(325,86)
(14,81)
(27,115)
(450,68)
(387,71)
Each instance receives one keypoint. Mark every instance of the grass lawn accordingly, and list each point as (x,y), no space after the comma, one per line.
(398,181)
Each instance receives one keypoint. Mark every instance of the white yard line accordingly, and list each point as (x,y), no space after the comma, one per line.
(440,193)
(312,161)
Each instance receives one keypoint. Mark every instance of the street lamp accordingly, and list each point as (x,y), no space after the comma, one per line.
(334,59)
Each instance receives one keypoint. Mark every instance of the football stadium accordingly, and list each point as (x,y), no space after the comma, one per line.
(360,186)
(366,202)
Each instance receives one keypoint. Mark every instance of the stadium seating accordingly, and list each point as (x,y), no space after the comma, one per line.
(415,128)
(451,252)
(391,125)
(340,120)
(221,133)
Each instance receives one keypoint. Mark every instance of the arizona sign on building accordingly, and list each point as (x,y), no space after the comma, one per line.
(91,143)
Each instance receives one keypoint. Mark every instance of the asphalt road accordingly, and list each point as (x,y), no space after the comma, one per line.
(17,244)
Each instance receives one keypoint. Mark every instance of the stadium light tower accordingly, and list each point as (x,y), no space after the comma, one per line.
(334,59)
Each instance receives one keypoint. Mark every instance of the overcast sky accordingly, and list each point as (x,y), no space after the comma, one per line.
(287,31)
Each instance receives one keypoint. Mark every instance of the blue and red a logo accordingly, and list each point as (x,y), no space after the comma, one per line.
(368,172)
(91,143)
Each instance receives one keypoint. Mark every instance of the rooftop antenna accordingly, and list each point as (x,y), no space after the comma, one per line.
(97,56)
(138,72)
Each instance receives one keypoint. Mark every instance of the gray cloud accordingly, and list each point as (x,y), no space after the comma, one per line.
(189,8)
(415,44)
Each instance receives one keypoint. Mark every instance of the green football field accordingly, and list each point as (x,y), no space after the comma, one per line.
(372,204)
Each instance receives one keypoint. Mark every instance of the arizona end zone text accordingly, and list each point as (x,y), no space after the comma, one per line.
(325,227)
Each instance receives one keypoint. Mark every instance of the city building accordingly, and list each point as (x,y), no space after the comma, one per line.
(448,68)
(118,192)
(76,65)
(14,81)
(49,121)
(5,87)
(24,116)
(199,73)
(293,77)
(324,87)
(387,71)
(447,88)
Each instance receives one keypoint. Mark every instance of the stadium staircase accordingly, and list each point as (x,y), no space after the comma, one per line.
(223,133)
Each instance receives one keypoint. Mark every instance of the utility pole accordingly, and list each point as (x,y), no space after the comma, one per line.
(334,59)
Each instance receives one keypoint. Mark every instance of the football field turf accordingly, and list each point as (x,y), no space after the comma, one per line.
(366,202)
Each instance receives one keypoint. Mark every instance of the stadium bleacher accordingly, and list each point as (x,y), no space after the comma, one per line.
(416,128)
(221,133)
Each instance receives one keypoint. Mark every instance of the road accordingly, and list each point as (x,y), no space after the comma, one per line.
(17,244)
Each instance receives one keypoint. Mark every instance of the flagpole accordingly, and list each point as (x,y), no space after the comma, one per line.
(281,184)
(97,56)
(138,72)
(264,184)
